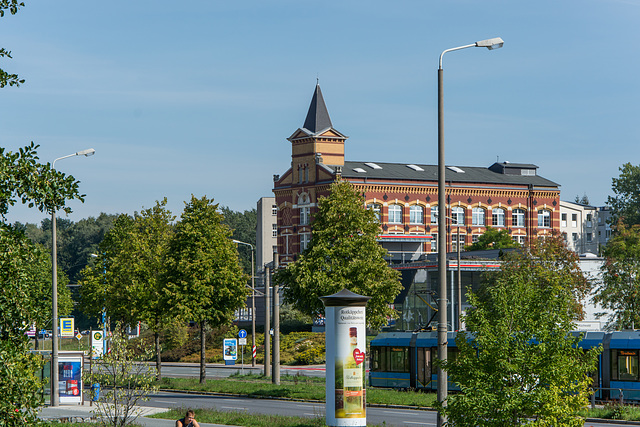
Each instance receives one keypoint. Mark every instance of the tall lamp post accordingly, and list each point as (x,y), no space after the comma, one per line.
(55,397)
(253,301)
(490,44)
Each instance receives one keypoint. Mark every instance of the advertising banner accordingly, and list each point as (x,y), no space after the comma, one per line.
(70,377)
(230,349)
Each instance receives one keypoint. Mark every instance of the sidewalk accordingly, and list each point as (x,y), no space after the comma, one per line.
(80,413)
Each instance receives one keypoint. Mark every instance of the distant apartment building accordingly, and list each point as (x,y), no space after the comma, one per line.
(586,229)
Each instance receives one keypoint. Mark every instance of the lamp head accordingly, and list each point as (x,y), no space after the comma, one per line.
(88,152)
(495,43)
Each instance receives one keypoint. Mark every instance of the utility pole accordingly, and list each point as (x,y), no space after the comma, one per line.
(275,378)
(267,322)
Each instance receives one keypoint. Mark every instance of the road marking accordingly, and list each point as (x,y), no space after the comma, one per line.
(167,401)
(395,412)
(233,407)
(422,423)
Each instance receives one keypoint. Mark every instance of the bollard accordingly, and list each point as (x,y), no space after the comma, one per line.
(95,392)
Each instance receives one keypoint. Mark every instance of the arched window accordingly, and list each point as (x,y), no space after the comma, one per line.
(434,215)
(305,211)
(457,215)
(544,218)
(517,218)
(416,215)
(477,216)
(376,209)
(497,217)
(395,214)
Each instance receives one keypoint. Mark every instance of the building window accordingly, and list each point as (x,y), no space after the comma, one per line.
(574,237)
(517,218)
(544,218)
(497,217)
(589,220)
(306,173)
(518,239)
(274,232)
(477,216)
(564,220)
(305,238)
(474,238)
(589,237)
(434,243)
(434,215)
(574,220)
(457,215)
(274,210)
(416,215)
(395,214)
(376,209)
(304,215)
(243,314)
(455,241)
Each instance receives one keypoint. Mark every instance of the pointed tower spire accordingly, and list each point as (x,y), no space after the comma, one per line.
(318,117)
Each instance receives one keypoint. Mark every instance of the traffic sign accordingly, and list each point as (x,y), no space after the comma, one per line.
(79,336)
(242,333)
(242,341)
(254,351)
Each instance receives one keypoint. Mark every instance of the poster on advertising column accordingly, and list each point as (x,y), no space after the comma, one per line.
(345,315)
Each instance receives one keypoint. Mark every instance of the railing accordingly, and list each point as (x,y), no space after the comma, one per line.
(620,391)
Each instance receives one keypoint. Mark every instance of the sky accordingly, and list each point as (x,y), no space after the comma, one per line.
(199,97)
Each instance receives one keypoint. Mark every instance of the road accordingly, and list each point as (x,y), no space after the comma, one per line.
(375,415)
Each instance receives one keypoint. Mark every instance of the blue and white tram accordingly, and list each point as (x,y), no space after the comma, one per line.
(405,360)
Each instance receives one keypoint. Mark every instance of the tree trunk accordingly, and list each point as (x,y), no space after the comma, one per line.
(156,336)
(203,373)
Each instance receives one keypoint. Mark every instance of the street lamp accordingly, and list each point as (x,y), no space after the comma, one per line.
(490,44)
(55,398)
(253,302)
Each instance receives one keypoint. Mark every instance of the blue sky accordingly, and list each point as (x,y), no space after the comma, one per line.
(199,97)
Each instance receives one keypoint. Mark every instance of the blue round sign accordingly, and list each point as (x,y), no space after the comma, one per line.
(242,333)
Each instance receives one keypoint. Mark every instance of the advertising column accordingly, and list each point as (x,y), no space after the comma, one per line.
(345,314)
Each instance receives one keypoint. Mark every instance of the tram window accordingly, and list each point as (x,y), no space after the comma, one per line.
(398,360)
(624,365)
(375,359)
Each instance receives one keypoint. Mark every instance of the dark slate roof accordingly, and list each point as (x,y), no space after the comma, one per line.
(472,174)
(318,115)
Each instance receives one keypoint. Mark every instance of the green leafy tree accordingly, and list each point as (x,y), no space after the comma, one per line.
(5,78)
(23,178)
(243,228)
(343,253)
(518,363)
(584,200)
(204,281)
(493,239)
(125,278)
(124,383)
(625,204)
(619,289)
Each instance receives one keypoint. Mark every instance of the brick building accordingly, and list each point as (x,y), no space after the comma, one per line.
(509,196)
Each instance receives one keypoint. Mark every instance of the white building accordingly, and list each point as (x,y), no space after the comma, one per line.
(266,231)
(578,225)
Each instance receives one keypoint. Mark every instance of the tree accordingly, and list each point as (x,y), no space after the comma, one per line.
(519,363)
(124,383)
(203,281)
(493,239)
(584,200)
(625,204)
(23,178)
(125,279)
(243,228)
(619,289)
(5,78)
(343,253)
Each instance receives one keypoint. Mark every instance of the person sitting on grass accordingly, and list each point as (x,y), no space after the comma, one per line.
(189,420)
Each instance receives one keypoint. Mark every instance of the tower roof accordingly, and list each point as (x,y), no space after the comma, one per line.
(318,117)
